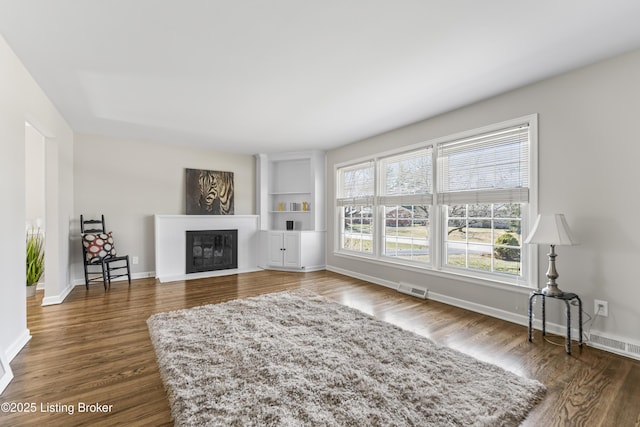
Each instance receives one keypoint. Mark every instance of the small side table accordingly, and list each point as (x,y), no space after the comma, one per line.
(567,297)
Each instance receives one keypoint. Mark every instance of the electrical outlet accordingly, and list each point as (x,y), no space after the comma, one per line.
(601,308)
(134,260)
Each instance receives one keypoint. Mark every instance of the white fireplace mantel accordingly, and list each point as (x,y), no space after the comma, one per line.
(170,242)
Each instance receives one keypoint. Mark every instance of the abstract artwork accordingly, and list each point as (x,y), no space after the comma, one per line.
(209,192)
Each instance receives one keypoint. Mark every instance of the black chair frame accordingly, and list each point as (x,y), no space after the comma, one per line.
(111,267)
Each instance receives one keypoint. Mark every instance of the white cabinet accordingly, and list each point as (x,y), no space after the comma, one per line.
(284,249)
(292,250)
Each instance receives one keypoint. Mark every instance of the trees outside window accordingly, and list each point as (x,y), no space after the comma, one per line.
(406,233)
(485,237)
(458,204)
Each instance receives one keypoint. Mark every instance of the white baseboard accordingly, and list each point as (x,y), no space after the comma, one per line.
(603,341)
(206,274)
(141,275)
(310,268)
(468,305)
(15,347)
(6,374)
(490,311)
(57,299)
(306,269)
(365,277)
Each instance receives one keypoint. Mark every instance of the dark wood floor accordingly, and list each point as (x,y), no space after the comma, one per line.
(95,348)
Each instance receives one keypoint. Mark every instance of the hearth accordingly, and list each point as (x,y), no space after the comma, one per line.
(209,250)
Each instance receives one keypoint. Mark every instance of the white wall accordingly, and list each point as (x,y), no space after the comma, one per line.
(34,177)
(129,181)
(589,169)
(22,100)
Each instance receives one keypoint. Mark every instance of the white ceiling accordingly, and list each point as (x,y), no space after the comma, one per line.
(254,76)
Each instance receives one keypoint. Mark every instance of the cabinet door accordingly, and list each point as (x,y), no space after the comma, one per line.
(292,250)
(276,249)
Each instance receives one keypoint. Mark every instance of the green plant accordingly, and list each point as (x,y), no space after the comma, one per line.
(506,253)
(35,257)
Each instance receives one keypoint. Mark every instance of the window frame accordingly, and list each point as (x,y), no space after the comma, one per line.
(507,278)
(383,240)
(438,215)
(372,224)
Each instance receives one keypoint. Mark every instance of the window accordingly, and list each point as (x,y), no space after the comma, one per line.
(355,198)
(406,232)
(484,186)
(485,237)
(485,168)
(457,204)
(405,196)
(357,230)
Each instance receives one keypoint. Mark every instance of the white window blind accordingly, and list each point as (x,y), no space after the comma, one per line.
(406,179)
(356,184)
(490,168)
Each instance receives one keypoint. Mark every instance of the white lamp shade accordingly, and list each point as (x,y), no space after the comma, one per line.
(551,230)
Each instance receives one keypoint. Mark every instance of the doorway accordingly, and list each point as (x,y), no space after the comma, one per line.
(35,185)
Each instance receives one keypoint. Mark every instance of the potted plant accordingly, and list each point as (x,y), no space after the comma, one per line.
(35,260)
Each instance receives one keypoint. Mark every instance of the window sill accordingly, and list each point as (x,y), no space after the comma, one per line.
(511,286)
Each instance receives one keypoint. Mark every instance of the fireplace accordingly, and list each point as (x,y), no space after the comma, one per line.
(209,250)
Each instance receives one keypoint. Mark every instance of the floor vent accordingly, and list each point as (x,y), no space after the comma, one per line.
(412,290)
(614,345)
(633,348)
(608,342)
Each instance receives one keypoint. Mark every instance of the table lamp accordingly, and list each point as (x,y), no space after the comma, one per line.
(551,230)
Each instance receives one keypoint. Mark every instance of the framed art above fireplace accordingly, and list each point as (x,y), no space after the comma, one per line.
(209,192)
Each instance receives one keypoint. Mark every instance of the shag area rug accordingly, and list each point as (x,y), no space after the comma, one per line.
(296,358)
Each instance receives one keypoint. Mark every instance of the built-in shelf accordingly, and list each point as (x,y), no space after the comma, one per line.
(286,183)
(290,193)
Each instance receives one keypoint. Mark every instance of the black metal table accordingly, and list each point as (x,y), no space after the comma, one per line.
(567,297)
